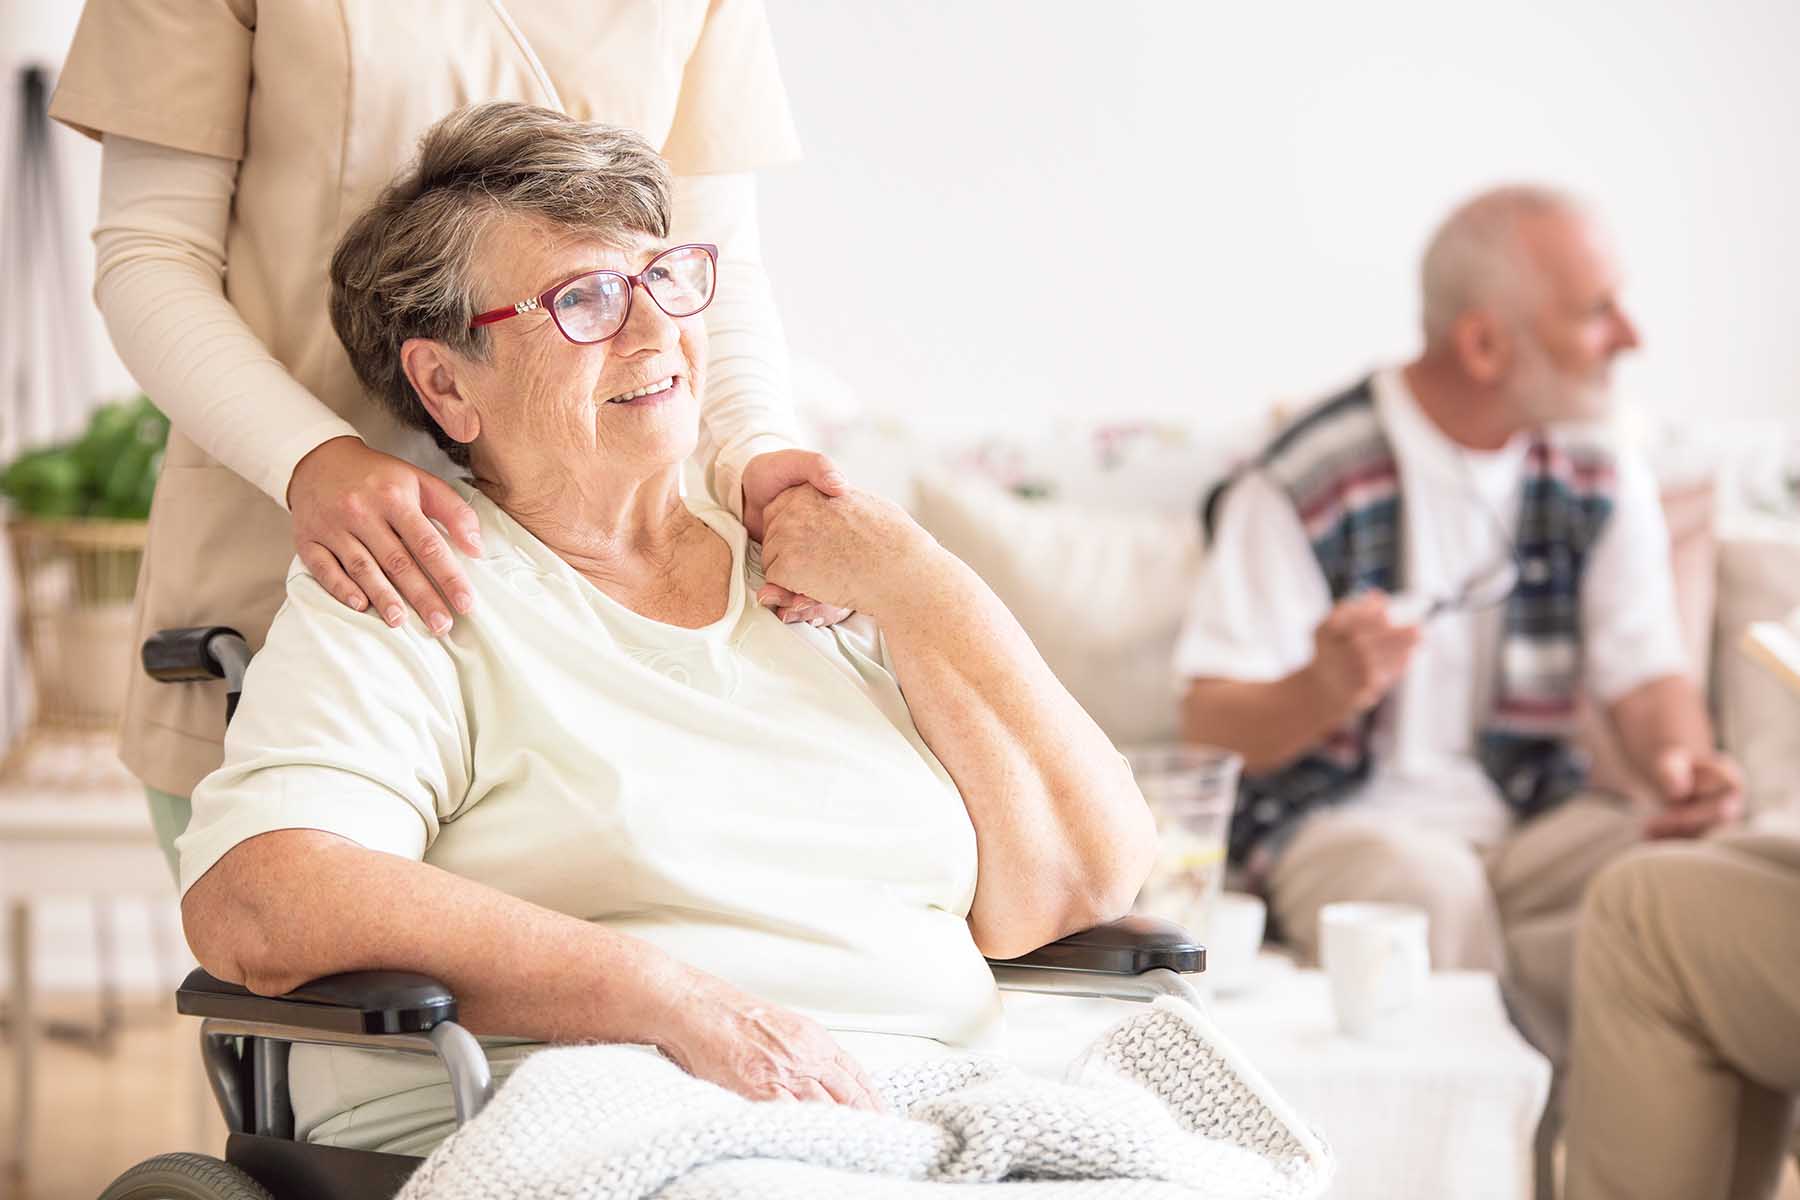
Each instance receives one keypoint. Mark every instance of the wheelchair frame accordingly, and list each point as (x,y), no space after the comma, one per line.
(245,1038)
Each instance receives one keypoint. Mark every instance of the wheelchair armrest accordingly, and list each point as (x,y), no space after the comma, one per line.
(1129,946)
(364,1002)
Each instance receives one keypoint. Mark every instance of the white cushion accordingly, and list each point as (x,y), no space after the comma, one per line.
(1100,592)
(1759,718)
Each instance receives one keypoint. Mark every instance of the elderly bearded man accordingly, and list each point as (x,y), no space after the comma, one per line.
(1407,593)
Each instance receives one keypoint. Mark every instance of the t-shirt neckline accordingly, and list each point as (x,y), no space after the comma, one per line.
(528,546)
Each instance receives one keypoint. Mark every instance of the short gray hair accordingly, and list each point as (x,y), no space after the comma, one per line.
(406,267)
(1476,256)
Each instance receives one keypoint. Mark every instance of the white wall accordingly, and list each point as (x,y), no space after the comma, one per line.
(39,32)
(1196,203)
(1008,209)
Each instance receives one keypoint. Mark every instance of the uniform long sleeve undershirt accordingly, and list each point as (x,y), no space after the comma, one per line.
(159,284)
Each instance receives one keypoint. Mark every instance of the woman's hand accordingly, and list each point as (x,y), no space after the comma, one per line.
(857,550)
(767,476)
(362,526)
(761,1051)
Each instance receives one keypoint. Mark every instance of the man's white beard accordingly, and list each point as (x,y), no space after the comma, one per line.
(1549,396)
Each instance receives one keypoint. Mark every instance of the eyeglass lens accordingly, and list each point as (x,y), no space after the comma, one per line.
(593,307)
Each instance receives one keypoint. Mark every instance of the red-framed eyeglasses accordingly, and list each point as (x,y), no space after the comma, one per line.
(594,305)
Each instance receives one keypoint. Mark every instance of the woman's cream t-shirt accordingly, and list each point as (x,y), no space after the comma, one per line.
(751,797)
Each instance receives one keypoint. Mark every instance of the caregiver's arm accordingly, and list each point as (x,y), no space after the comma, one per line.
(748,409)
(1063,836)
(293,905)
(748,436)
(362,519)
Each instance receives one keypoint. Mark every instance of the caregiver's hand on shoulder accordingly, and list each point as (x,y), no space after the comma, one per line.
(762,1051)
(362,526)
(856,550)
(767,476)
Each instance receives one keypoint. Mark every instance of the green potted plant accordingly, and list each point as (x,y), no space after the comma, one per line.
(76,516)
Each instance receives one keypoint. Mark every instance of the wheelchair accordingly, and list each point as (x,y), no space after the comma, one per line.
(245,1038)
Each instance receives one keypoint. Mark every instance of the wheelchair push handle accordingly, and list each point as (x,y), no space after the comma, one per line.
(197,654)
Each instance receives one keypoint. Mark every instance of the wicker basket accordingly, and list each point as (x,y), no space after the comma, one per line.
(76,583)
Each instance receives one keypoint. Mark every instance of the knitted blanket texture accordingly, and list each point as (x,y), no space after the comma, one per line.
(1159,1106)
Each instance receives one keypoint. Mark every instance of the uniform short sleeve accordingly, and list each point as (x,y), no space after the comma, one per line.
(732,114)
(172,72)
(345,726)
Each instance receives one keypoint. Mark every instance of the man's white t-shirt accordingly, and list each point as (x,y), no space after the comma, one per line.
(1261,595)
(749,796)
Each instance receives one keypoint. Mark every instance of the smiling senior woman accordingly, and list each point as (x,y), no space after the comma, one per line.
(622,801)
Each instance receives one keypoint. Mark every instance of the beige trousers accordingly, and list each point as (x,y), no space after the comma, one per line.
(1511,909)
(1686,1056)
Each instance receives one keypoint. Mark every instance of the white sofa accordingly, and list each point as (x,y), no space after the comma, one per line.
(1090,533)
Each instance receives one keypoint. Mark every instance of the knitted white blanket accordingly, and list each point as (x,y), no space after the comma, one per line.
(1159,1106)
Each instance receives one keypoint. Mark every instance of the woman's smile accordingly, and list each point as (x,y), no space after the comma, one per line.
(652,393)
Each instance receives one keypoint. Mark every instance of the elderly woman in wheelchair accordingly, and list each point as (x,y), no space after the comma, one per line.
(622,801)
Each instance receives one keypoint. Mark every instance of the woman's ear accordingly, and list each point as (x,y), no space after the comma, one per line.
(436,374)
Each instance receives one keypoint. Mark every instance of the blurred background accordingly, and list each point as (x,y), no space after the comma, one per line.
(1017,220)
(1209,206)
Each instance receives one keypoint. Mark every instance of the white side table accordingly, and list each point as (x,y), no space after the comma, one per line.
(1451,1111)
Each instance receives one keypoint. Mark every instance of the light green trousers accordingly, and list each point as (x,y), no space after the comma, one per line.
(169,815)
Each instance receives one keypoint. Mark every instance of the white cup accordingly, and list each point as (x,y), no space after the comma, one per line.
(1234,938)
(1378,958)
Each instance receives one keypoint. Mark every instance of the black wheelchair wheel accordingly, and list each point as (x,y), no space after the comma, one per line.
(184,1177)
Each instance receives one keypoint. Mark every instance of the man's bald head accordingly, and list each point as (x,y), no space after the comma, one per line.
(1483,256)
(1520,296)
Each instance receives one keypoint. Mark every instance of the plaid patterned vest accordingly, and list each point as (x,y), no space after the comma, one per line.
(1335,463)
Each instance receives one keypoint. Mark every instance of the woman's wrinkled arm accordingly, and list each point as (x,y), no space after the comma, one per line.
(293,905)
(1063,835)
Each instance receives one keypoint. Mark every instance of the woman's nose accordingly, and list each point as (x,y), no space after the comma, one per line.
(647,326)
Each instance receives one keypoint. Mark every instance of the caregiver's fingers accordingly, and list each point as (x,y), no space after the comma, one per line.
(405,574)
(323,566)
(443,570)
(361,566)
(775,596)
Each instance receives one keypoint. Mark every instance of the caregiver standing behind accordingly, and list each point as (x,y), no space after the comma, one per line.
(239,141)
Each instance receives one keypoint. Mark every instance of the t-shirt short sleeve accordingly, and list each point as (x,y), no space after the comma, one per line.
(172,72)
(1260,593)
(345,726)
(732,114)
(1631,632)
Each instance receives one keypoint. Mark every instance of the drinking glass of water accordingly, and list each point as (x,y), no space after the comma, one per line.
(1191,791)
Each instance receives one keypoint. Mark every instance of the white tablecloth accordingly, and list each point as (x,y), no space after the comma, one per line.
(1449,1114)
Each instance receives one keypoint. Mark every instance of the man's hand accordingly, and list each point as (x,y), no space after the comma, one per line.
(856,551)
(1700,792)
(767,476)
(362,526)
(1359,653)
